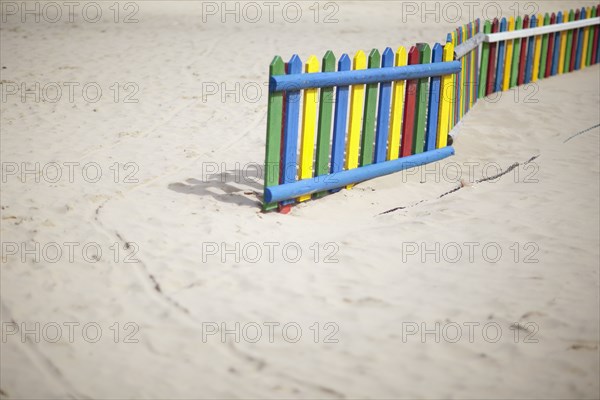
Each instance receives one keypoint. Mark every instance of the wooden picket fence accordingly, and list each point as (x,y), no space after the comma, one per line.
(385,112)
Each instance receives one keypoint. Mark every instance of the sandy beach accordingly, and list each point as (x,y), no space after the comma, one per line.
(136,262)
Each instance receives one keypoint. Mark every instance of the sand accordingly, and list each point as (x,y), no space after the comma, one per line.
(490,291)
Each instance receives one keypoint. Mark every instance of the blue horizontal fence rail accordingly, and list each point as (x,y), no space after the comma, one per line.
(378,75)
(343,178)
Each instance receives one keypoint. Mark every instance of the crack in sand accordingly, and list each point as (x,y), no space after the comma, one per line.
(144,269)
(43,362)
(462,185)
(581,133)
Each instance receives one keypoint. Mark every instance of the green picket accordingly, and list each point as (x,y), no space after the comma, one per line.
(516,54)
(274,119)
(569,43)
(418,143)
(544,55)
(324,124)
(485,55)
(590,48)
(368,137)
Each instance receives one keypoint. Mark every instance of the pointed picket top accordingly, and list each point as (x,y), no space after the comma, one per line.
(344,63)
(277,65)
(312,64)
(546,19)
(374,59)
(328,61)
(360,60)
(295,65)
(413,55)
(400,56)
(503,24)
(425,51)
(449,38)
(533,21)
(559,17)
(387,58)
(526,20)
(487,26)
(519,22)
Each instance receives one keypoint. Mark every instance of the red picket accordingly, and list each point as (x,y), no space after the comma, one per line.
(491,78)
(409,107)
(550,48)
(523,57)
(574,46)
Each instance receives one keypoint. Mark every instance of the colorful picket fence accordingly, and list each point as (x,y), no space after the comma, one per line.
(332,126)
(522,60)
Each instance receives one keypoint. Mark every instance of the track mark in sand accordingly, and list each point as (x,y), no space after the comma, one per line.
(462,185)
(261,364)
(581,133)
(43,363)
(143,269)
(258,363)
(330,393)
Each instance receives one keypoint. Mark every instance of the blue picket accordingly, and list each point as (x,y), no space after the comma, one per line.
(434,101)
(476,83)
(467,74)
(579,33)
(340,116)
(500,59)
(556,54)
(530,51)
(290,129)
(383,111)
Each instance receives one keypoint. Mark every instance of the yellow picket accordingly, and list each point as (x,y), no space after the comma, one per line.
(472,77)
(357,100)
(463,80)
(586,38)
(563,45)
(309,122)
(509,56)
(446,99)
(397,109)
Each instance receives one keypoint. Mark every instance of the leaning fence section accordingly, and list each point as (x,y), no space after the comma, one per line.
(327,120)
(338,122)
